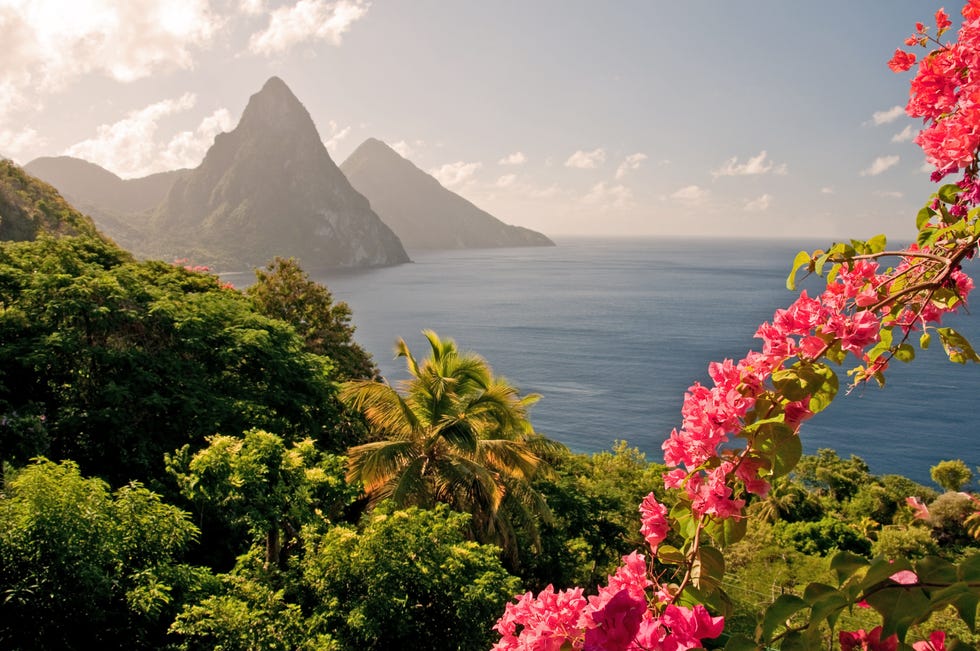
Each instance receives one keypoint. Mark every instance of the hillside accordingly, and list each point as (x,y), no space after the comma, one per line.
(423,213)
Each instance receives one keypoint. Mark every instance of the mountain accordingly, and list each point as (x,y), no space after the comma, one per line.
(120,207)
(423,213)
(269,188)
(29,207)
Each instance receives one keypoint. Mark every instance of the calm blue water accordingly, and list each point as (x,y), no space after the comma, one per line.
(612,332)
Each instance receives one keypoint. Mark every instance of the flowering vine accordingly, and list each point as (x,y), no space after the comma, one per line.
(741,432)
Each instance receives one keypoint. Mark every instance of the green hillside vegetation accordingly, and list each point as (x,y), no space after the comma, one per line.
(186,466)
(29,207)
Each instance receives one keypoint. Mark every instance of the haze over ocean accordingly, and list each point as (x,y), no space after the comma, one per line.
(611,332)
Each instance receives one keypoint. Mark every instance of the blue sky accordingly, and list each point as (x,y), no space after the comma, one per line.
(761,118)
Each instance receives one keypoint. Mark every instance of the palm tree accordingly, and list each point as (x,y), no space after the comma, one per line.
(454,434)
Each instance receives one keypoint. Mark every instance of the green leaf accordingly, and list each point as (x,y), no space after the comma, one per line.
(905,353)
(801,259)
(969,569)
(725,532)
(957,347)
(877,243)
(670,555)
(949,193)
(741,643)
(779,444)
(899,607)
(925,340)
(966,606)
(708,568)
(821,261)
(828,607)
(846,564)
(923,217)
(882,568)
(784,607)
(933,569)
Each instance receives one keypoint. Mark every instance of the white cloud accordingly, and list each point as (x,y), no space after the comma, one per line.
(252,7)
(759,204)
(827,190)
(545,193)
(453,174)
(755,165)
(517,158)
(130,148)
(879,118)
(14,143)
(691,193)
(617,196)
(879,165)
(306,20)
(506,180)
(49,43)
(888,195)
(630,163)
(403,148)
(905,135)
(336,135)
(586,159)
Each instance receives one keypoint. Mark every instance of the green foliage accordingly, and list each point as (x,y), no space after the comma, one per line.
(80,567)
(904,542)
(245,616)
(596,522)
(951,475)
(408,580)
(112,363)
(947,515)
(257,482)
(823,536)
(459,436)
(284,291)
(32,208)
(828,474)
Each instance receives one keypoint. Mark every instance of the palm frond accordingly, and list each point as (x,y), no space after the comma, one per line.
(374,464)
(383,407)
(412,487)
(509,458)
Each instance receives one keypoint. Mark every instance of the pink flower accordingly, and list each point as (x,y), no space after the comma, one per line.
(942,20)
(936,642)
(904,577)
(921,510)
(653,515)
(864,640)
(902,61)
(616,624)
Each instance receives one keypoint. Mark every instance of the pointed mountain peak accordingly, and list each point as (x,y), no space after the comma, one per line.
(276,106)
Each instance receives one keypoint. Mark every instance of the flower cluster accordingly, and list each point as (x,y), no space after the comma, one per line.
(618,618)
(865,311)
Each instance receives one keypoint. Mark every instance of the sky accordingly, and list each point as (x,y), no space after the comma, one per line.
(761,118)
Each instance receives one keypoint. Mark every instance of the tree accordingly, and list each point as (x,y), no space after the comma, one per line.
(951,475)
(255,481)
(457,435)
(408,580)
(83,567)
(284,291)
(88,335)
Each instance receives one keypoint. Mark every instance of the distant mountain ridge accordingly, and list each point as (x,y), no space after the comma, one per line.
(423,213)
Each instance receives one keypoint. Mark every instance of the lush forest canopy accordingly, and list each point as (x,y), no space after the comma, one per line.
(187,466)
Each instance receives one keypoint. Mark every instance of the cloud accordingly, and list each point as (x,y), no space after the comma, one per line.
(755,165)
(586,159)
(506,180)
(631,162)
(130,148)
(905,135)
(50,43)
(517,158)
(880,164)
(14,143)
(888,195)
(827,190)
(879,118)
(453,174)
(336,135)
(759,204)
(307,20)
(690,193)
(617,196)
(252,7)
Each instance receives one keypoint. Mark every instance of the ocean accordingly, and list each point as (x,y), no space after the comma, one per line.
(611,332)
